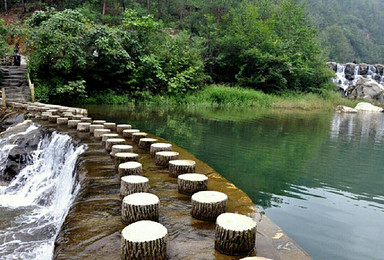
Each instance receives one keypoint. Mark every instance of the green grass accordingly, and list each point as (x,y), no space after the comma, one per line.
(234,97)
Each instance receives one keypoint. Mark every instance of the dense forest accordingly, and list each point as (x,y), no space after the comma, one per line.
(171,47)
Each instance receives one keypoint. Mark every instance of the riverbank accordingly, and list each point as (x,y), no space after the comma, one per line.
(232,97)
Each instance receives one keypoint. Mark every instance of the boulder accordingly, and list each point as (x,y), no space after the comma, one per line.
(350,71)
(379,68)
(10,119)
(24,145)
(332,66)
(363,69)
(367,89)
(364,106)
(345,109)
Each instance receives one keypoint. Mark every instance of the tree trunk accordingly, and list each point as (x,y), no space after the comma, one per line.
(5,6)
(218,14)
(208,205)
(23,6)
(148,7)
(154,248)
(140,206)
(235,234)
(104,7)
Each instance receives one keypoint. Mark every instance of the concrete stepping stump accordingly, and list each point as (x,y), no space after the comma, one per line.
(122,127)
(99,122)
(62,121)
(145,240)
(235,234)
(77,117)
(111,142)
(86,120)
(145,143)
(127,133)
(208,205)
(93,127)
(130,168)
(177,167)
(255,258)
(69,115)
(191,183)
(159,147)
(133,184)
(107,136)
(83,127)
(137,136)
(73,123)
(53,118)
(125,157)
(140,206)
(163,158)
(45,115)
(121,148)
(98,133)
(111,126)
(52,111)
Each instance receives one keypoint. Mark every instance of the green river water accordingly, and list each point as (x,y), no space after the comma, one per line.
(319,176)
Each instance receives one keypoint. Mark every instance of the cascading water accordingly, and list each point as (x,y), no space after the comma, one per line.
(34,204)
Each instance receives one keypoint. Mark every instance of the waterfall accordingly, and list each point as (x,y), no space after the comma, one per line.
(34,204)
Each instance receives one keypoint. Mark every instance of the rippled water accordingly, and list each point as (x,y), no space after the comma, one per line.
(319,176)
(34,204)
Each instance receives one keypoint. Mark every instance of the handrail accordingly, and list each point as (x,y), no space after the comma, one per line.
(31,88)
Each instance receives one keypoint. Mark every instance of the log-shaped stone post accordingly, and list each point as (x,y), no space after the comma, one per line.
(62,121)
(144,240)
(45,115)
(73,123)
(140,206)
(177,167)
(111,126)
(145,143)
(83,127)
(86,120)
(98,133)
(137,136)
(163,158)
(122,127)
(121,158)
(105,137)
(127,133)
(68,115)
(99,122)
(235,234)
(121,148)
(159,147)
(111,142)
(130,168)
(208,205)
(191,183)
(133,184)
(53,111)
(53,118)
(93,127)
(77,117)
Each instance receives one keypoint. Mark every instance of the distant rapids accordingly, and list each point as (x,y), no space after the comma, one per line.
(34,204)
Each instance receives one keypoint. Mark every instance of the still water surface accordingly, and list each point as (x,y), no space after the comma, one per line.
(319,176)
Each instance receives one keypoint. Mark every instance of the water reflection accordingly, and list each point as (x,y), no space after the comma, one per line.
(318,175)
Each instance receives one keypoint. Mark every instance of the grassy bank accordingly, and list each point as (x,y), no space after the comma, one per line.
(230,97)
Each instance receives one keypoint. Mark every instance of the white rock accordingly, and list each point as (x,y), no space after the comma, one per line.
(364,106)
(345,109)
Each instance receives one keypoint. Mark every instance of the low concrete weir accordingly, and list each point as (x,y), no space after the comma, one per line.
(92,229)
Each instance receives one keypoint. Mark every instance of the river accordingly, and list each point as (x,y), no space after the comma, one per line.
(318,175)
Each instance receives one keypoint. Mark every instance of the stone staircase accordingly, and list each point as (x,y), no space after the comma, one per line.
(15,83)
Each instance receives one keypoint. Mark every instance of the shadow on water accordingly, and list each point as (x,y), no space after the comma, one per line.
(318,175)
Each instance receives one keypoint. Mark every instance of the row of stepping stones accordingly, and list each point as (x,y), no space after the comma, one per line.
(144,237)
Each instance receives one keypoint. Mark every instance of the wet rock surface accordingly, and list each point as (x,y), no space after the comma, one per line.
(92,229)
